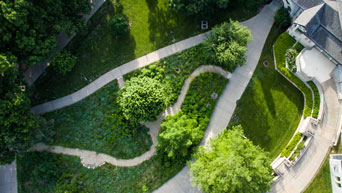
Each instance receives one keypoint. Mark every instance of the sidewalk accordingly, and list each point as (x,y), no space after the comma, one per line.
(33,73)
(260,26)
(8,178)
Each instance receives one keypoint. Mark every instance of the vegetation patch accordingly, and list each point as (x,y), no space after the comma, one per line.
(271,107)
(37,168)
(96,123)
(292,145)
(299,148)
(317,99)
(283,43)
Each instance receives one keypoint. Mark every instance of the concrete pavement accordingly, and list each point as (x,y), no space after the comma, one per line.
(8,178)
(260,26)
(33,73)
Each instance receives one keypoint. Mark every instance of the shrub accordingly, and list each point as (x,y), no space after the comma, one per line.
(290,56)
(317,99)
(282,18)
(63,62)
(299,148)
(197,8)
(290,147)
(119,24)
(142,99)
(227,45)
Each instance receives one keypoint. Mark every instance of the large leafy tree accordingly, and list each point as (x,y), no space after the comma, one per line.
(231,164)
(227,45)
(19,128)
(178,134)
(29,27)
(142,99)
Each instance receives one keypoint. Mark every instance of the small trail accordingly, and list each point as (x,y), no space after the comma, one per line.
(92,159)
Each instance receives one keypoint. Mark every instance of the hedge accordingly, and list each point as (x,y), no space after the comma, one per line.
(284,42)
(290,147)
(317,99)
(298,150)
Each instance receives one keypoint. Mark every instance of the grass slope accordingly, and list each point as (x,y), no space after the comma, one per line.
(270,108)
(152,27)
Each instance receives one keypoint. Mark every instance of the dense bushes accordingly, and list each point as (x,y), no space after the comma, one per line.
(119,25)
(227,45)
(63,62)
(181,132)
(142,99)
(290,147)
(195,7)
(231,164)
(282,18)
(284,42)
(317,99)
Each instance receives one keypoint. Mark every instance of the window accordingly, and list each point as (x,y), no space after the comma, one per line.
(338,179)
(339,185)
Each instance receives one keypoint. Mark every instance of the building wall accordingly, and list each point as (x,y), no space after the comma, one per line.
(291,6)
(336,173)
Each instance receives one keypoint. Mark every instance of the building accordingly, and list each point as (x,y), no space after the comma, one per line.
(335,162)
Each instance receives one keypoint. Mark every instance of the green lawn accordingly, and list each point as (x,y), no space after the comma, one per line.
(95,124)
(46,173)
(152,27)
(271,107)
(322,182)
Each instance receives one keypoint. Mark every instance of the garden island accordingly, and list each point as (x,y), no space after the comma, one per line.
(169,95)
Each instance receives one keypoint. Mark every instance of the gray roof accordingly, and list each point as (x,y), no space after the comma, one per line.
(306,4)
(324,28)
(307,15)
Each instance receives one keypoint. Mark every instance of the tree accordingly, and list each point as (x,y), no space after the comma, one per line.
(142,99)
(19,127)
(226,45)
(282,18)
(119,25)
(231,164)
(178,134)
(197,7)
(29,27)
(63,62)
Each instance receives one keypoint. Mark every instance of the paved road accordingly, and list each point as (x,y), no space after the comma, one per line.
(8,178)
(260,26)
(117,73)
(33,73)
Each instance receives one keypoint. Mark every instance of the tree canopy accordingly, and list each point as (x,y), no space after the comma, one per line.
(197,7)
(142,99)
(29,27)
(231,164)
(63,62)
(227,45)
(19,127)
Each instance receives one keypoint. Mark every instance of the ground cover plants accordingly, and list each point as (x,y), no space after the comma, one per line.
(152,26)
(96,123)
(317,99)
(142,178)
(292,145)
(271,107)
(283,43)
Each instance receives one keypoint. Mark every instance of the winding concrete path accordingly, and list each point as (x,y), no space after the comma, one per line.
(260,26)
(33,73)
(91,159)
(117,73)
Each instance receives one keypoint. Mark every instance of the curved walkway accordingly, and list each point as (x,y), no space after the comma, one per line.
(117,73)
(92,159)
(260,26)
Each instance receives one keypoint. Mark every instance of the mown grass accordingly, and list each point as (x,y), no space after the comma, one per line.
(45,172)
(88,125)
(271,107)
(317,99)
(98,51)
(284,42)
